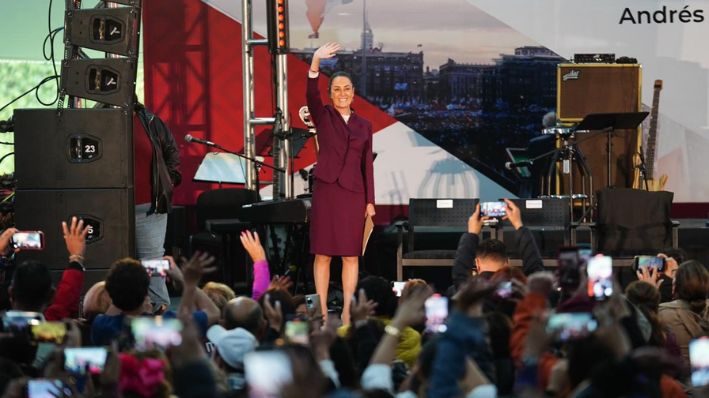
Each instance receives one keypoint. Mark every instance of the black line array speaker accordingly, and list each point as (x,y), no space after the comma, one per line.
(108,212)
(73,148)
(76,162)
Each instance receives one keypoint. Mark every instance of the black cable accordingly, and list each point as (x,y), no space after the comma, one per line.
(49,57)
(45,80)
(50,37)
(6,155)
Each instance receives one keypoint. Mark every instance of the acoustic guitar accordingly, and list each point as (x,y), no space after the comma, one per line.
(652,183)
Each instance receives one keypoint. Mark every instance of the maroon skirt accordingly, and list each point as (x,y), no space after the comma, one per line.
(336,220)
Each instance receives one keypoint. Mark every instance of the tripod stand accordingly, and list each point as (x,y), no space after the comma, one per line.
(569,155)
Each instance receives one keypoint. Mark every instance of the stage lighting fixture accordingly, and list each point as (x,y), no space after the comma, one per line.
(110,80)
(111,30)
(277,25)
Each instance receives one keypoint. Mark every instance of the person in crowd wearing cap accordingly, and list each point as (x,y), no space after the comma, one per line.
(231,346)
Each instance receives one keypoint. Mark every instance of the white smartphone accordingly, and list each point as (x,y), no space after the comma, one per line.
(398,287)
(267,372)
(699,359)
(436,313)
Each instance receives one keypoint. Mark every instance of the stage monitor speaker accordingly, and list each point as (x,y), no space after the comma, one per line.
(597,88)
(109,80)
(111,30)
(73,148)
(109,212)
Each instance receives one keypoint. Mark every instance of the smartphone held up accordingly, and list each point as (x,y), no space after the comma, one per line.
(600,277)
(28,240)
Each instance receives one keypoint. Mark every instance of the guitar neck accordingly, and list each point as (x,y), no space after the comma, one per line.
(652,134)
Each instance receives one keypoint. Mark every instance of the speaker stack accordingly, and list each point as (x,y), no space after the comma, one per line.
(78,162)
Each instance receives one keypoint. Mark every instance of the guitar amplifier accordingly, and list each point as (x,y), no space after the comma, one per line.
(601,88)
(597,88)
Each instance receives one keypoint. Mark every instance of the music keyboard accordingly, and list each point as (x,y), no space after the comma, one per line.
(287,211)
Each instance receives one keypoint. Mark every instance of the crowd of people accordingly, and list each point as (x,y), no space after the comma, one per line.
(507,332)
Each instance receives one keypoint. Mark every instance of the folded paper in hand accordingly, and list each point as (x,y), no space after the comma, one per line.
(368,228)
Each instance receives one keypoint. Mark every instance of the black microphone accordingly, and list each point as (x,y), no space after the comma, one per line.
(511,165)
(189,138)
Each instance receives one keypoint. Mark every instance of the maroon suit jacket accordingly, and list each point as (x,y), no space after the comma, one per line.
(345,148)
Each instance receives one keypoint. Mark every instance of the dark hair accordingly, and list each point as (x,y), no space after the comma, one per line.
(500,331)
(646,297)
(286,299)
(585,356)
(338,74)
(127,284)
(251,322)
(379,290)
(493,249)
(677,254)
(32,285)
(691,285)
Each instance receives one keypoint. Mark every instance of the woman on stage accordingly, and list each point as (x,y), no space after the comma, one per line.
(343,195)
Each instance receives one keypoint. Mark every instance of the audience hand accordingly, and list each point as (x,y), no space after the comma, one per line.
(321,340)
(514,215)
(280,282)
(274,315)
(197,266)
(361,308)
(174,272)
(5,237)
(475,222)
(411,311)
(670,265)
(252,245)
(75,239)
(650,275)
(327,50)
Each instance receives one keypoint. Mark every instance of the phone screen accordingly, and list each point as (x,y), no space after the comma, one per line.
(156,267)
(571,325)
(19,322)
(267,372)
(297,332)
(47,388)
(504,290)
(600,277)
(649,262)
(436,313)
(398,287)
(493,209)
(51,332)
(699,359)
(156,332)
(28,240)
(83,359)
